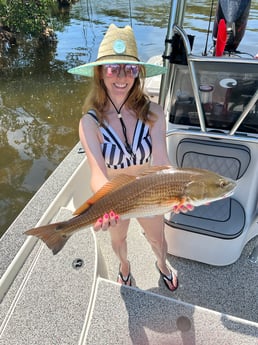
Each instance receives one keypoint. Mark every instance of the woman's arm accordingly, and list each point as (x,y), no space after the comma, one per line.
(90,138)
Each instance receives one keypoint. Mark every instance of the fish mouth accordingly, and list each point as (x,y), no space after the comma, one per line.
(230,193)
(232,185)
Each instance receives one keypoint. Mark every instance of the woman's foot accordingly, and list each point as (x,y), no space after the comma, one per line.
(170,280)
(124,279)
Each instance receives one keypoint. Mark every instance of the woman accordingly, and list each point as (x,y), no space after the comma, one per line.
(122,129)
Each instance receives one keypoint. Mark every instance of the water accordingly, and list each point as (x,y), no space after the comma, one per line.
(40,103)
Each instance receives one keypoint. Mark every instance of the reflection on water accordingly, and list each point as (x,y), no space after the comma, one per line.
(40,103)
(38,127)
(40,106)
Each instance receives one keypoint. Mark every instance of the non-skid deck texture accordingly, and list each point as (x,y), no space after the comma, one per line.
(52,308)
(231,289)
(48,305)
(129,316)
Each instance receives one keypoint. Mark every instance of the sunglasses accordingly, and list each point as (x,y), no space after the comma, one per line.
(115,69)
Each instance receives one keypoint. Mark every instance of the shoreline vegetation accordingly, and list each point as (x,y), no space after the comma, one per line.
(31,19)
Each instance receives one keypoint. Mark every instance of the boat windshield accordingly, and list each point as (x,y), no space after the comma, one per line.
(225,88)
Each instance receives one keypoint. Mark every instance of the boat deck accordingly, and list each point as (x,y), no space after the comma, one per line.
(72,298)
(231,289)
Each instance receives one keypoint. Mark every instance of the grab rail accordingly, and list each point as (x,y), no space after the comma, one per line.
(193,78)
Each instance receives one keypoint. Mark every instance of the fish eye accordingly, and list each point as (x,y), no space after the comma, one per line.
(222,183)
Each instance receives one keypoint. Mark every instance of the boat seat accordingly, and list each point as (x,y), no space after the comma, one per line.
(224,218)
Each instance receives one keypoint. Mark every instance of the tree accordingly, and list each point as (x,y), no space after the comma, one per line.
(27,17)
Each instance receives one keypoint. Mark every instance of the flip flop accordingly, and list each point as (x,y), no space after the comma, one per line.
(167,279)
(125,280)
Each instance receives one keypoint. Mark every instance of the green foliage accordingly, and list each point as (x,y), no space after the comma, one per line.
(29,17)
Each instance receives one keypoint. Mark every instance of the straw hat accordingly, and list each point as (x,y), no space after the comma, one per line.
(118,47)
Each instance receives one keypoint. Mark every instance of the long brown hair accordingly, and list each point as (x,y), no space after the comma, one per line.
(138,100)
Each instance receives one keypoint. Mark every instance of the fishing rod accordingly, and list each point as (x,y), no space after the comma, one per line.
(208,30)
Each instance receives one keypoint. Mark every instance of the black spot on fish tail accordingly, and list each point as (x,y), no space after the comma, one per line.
(50,235)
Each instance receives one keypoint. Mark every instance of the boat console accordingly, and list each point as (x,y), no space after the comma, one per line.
(213,124)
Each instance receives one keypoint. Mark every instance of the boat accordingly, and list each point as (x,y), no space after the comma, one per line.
(73,298)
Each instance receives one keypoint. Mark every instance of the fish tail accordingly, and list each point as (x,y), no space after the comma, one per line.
(51,235)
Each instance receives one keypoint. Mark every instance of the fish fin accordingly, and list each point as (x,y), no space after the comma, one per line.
(112,185)
(50,235)
(178,202)
(84,207)
(174,202)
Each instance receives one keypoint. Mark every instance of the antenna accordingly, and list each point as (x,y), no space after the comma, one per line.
(130,13)
(208,30)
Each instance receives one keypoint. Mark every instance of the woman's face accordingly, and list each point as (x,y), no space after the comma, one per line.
(119,79)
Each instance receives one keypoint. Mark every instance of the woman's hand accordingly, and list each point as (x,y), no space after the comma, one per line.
(109,219)
(182,208)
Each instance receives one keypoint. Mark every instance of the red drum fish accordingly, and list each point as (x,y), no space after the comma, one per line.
(155,192)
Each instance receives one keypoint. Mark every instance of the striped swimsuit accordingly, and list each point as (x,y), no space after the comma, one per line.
(114,151)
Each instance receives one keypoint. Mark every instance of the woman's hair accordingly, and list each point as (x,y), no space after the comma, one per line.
(138,101)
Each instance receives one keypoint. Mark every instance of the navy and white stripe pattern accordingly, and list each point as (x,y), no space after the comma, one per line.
(114,152)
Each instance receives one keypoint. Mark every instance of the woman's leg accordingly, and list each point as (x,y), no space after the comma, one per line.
(118,235)
(154,233)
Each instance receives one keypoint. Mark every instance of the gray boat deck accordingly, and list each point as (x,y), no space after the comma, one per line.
(51,302)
